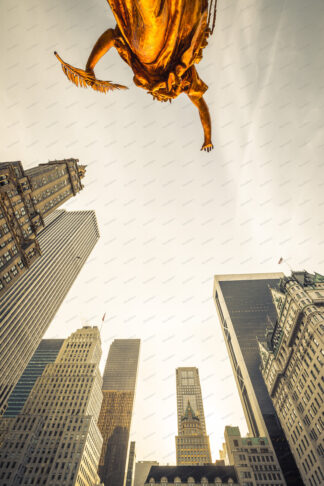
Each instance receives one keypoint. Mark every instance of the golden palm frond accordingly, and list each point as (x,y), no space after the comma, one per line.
(83,78)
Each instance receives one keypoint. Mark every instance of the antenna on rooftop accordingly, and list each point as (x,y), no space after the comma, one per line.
(102,321)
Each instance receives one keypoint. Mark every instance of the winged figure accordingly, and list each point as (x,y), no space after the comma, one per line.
(161,40)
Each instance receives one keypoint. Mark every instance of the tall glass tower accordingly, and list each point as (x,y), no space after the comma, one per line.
(192,441)
(245,310)
(46,353)
(119,383)
(29,306)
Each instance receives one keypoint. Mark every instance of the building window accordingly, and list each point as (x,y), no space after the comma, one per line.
(5,228)
(14,270)
(20,264)
(7,277)
(1,284)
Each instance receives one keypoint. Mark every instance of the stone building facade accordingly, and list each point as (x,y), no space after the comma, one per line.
(26,197)
(253,457)
(192,444)
(192,441)
(292,357)
(56,440)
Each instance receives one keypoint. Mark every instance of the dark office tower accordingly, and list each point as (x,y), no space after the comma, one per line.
(46,353)
(26,197)
(131,465)
(28,307)
(119,382)
(245,309)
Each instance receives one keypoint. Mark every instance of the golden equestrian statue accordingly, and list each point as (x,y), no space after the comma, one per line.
(161,40)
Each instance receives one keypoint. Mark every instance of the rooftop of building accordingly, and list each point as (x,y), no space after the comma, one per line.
(211,473)
(303,277)
(248,440)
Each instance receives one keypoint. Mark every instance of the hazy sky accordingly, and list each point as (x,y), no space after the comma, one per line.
(171,216)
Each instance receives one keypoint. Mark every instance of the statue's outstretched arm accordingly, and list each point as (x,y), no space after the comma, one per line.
(87,77)
(205,121)
(103,44)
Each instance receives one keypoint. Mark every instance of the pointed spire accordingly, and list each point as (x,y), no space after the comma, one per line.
(278,299)
(189,411)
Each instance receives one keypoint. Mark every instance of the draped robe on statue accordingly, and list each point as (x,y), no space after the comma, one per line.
(161,40)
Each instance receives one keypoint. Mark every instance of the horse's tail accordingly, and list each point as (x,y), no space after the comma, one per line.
(83,78)
(211,20)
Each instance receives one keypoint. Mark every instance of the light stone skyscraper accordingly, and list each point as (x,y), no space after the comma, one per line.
(245,309)
(29,306)
(26,197)
(56,440)
(253,457)
(292,357)
(192,441)
(118,388)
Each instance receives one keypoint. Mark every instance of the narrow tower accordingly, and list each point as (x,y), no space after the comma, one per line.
(192,442)
(119,383)
(130,476)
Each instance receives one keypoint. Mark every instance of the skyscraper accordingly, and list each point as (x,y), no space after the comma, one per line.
(55,439)
(26,197)
(245,309)
(46,353)
(192,441)
(118,388)
(254,459)
(131,465)
(292,357)
(28,307)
